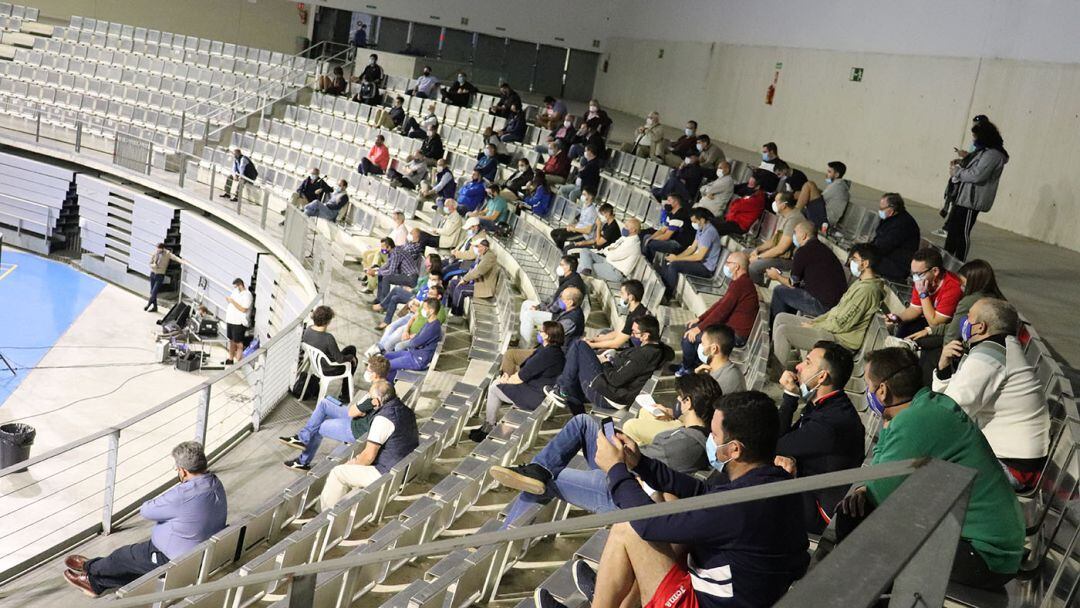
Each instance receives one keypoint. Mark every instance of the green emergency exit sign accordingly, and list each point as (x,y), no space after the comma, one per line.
(856,75)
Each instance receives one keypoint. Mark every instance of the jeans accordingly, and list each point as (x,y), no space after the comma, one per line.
(321,211)
(591,262)
(575,382)
(391,338)
(794,299)
(760,265)
(651,247)
(458,293)
(402,359)
(123,566)
(570,191)
(386,281)
(529,320)
(670,273)
(495,399)
(587,489)
(329,419)
(156,281)
(397,295)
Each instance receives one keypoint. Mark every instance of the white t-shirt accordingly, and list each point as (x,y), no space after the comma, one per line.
(381,430)
(234,316)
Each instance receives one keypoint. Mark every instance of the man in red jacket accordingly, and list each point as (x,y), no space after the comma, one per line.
(744,211)
(737,309)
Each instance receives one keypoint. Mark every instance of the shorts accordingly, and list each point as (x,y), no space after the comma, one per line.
(675,591)
(235,332)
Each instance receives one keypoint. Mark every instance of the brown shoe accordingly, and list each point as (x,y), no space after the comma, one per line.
(76,563)
(79,580)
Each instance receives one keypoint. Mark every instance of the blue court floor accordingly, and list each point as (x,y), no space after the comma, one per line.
(39,300)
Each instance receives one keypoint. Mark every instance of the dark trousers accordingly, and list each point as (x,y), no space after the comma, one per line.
(369,168)
(726,228)
(460,290)
(959,224)
(123,566)
(429,240)
(792,300)
(348,354)
(582,367)
(562,235)
(411,128)
(156,281)
(670,273)
(650,247)
(387,281)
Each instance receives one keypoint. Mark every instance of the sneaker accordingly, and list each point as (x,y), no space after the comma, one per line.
(940,232)
(584,578)
(293,442)
(556,394)
(682,371)
(543,599)
(675,368)
(531,478)
(224,195)
(296,466)
(480,433)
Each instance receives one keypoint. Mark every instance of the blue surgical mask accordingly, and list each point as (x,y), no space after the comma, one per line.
(710,451)
(727,272)
(795,240)
(972,147)
(540,338)
(765,156)
(806,391)
(828,180)
(965,328)
(881,213)
(625,232)
(562,305)
(874,403)
(635,341)
(701,355)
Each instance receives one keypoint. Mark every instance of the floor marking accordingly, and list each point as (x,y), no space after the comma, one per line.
(4,273)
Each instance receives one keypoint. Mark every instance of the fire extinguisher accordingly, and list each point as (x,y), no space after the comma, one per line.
(771,91)
(300,6)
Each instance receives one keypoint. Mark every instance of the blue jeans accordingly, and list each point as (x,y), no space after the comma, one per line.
(392,335)
(402,359)
(330,419)
(670,273)
(488,225)
(156,281)
(582,366)
(651,247)
(587,489)
(397,295)
(792,300)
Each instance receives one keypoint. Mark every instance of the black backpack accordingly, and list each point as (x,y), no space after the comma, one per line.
(250,171)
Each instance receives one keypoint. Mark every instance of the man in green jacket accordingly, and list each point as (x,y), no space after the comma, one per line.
(845,323)
(919,423)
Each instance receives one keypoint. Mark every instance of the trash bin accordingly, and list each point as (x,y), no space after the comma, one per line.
(15,441)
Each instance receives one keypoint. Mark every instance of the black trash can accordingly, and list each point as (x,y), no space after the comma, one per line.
(15,441)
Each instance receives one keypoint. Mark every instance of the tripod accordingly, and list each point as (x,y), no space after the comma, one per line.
(7,364)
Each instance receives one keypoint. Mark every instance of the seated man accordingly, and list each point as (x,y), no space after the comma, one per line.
(508,97)
(411,175)
(681,447)
(791,180)
(569,315)
(616,382)
(514,131)
(606,232)
(744,211)
(694,394)
(845,323)
(495,211)
(462,255)
(553,113)
(401,294)
(618,260)
(714,352)
(745,554)
(923,424)
(585,223)
(682,147)
(896,238)
(935,294)
(317,335)
(451,228)
(828,435)
(488,163)
(709,154)
(184,516)
(471,194)
(419,128)
(513,188)
(459,92)
(996,386)
(399,334)
(699,259)
(537,196)
(389,119)
(372,260)
(313,186)
(373,76)
(684,181)
(648,138)
(557,166)
(534,312)
(331,208)
(432,148)
(479,282)
(769,155)
(817,281)
(377,160)
(402,266)
(427,86)
(738,310)
(826,206)
(716,195)
(777,251)
(587,177)
(393,435)
(525,387)
(674,233)
(400,233)
(630,292)
(422,346)
(442,184)
(342,421)
(243,170)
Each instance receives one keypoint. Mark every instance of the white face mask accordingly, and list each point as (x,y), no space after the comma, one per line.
(594,109)
(476,250)
(623,302)
(775,207)
(700,147)
(688,132)
(828,180)
(568,124)
(371,61)
(313,175)
(854,267)
(368,377)
(559,271)
(461,79)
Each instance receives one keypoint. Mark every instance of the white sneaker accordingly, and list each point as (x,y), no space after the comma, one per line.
(940,232)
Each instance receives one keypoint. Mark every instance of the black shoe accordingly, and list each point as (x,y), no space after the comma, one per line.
(147,307)
(584,578)
(479,434)
(233,199)
(531,478)
(296,466)
(224,195)
(674,368)
(543,599)
(228,361)
(293,442)
(152,308)
(555,394)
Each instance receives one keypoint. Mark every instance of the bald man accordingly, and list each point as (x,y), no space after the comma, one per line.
(737,309)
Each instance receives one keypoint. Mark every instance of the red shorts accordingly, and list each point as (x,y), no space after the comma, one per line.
(675,591)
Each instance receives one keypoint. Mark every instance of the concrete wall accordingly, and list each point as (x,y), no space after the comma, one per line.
(269,24)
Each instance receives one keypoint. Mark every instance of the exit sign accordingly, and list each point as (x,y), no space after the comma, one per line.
(856,75)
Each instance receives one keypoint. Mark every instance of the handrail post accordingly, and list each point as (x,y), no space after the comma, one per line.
(302,591)
(37,126)
(183,125)
(183,167)
(110,481)
(265,208)
(213,179)
(203,418)
(78,135)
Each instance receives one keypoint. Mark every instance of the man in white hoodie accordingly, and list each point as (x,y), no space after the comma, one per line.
(995,385)
(616,261)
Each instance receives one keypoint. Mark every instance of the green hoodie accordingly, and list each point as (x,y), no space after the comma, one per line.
(848,320)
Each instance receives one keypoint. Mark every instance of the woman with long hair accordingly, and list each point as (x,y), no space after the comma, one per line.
(974,183)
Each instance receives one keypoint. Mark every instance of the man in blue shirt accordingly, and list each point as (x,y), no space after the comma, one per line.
(471,194)
(184,516)
(488,164)
(700,258)
(746,554)
(495,211)
(585,224)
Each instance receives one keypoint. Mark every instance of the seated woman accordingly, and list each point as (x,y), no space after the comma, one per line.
(538,195)
(334,85)
(525,389)
(317,335)
(398,335)
(514,187)
(421,349)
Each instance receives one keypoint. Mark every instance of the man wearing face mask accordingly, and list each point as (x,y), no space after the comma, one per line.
(737,309)
(460,92)
(471,194)
(588,176)
(553,113)
(699,259)
(777,252)
(450,229)
(426,85)
(709,154)
(533,312)
(313,186)
(714,352)
(988,376)
(377,160)
(845,323)
(896,238)
(557,166)
(935,294)
(585,223)
(418,129)
(480,281)
(817,280)
(569,316)
(332,206)
(921,424)
(674,232)
(507,97)
(769,155)
(606,232)
(399,335)
(495,211)
(630,294)
(564,133)
(746,209)
(791,180)
(828,206)
(682,147)
(617,261)
(647,138)
(739,555)
(716,195)
(828,436)
(684,181)
(343,421)
(402,265)
(679,445)
(412,174)
(488,164)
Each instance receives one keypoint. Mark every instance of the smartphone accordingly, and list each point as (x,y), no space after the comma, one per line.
(608,426)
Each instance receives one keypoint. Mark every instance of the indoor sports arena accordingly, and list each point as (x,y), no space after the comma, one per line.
(619,304)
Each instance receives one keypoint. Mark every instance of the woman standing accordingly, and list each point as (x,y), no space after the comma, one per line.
(976,175)
(159,263)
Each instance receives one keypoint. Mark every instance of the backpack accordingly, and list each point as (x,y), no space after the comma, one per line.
(250,171)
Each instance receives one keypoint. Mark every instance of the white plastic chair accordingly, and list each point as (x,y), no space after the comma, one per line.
(314,359)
